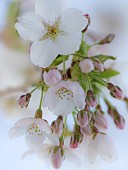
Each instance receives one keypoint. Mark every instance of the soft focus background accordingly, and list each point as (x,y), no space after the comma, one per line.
(17,74)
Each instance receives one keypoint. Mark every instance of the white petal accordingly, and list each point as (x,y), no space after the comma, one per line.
(72,155)
(51,99)
(43,53)
(64,107)
(43,126)
(73,20)
(24,122)
(35,141)
(27,153)
(29,27)
(16,132)
(106,148)
(49,10)
(79,96)
(92,153)
(68,43)
(54,139)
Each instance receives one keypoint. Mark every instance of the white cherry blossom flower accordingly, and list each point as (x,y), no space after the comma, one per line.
(52,32)
(35,131)
(103,146)
(56,158)
(62,98)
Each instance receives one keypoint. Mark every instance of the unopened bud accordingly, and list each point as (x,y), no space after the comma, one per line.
(98,66)
(115,91)
(86,130)
(91,98)
(86,66)
(76,139)
(83,118)
(52,77)
(24,100)
(57,157)
(58,125)
(100,119)
(108,39)
(120,122)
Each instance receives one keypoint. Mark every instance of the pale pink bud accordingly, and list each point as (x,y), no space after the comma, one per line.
(24,100)
(58,125)
(86,130)
(120,122)
(108,39)
(86,66)
(57,157)
(83,118)
(115,91)
(52,77)
(100,119)
(76,139)
(91,98)
(98,66)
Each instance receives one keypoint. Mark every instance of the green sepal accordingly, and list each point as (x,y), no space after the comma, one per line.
(103,58)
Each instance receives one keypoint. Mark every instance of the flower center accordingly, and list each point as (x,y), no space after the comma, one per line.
(34,129)
(52,30)
(64,93)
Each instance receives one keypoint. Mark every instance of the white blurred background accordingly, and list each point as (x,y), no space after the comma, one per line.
(17,74)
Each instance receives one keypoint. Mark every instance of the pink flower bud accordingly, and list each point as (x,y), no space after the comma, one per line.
(76,139)
(91,99)
(57,157)
(120,122)
(24,100)
(98,66)
(52,77)
(86,130)
(83,118)
(108,39)
(86,66)
(100,119)
(115,91)
(58,125)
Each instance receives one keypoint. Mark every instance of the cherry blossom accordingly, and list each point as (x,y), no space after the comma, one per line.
(101,145)
(52,32)
(35,131)
(63,97)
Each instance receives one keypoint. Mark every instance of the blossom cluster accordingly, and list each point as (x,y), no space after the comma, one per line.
(56,36)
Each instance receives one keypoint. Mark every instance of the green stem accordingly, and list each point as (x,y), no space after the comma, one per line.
(99,79)
(73,114)
(36,88)
(63,134)
(64,66)
(40,105)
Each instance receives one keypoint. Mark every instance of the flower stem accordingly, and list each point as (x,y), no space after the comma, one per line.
(36,88)
(64,66)
(63,134)
(40,105)
(73,114)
